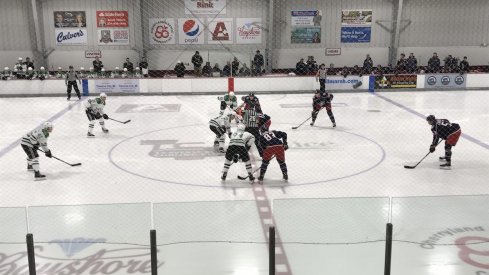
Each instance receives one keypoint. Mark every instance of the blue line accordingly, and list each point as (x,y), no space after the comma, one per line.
(14,144)
(467,137)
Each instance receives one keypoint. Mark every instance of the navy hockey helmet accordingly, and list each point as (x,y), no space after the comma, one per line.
(431,119)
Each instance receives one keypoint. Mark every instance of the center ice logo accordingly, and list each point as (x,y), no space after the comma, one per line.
(191,28)
(179,150)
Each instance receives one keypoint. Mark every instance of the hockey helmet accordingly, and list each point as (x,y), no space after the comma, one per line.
(241,127)
(231,94)
(42,68)
(251,94)
(48,126)
(104,95)
(6,68)
(431,119)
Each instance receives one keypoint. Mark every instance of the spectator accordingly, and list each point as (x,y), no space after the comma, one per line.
(59,73)
(226,71)
(116,73)
(378,70)
(434,64)
(197,61)
(97,65)
(311,64)
(207,69)
(258,62)
(344,72)
(300,67)
(92,73)
(143,65)
(401,64)
(137,73)
(31,74)
(411,64)
(368,64)
(331,69)
(356,71)
(216,71)
(83,73)
(42,74)
(20,67)
(235,66)
(125,73)
(28,63)
(180,69)
(244,71)
(6,74)
(128,65)
(103,74)
(464,66)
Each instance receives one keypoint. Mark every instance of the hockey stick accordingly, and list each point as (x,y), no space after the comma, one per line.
(414,166)
(70,164)
(123,122)
(243,178)
(295,127)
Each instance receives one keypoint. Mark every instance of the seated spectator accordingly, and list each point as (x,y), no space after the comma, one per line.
(235,67)
(59,73)
(368,64)
(21,68)
(97,65)
(6,74)
(331,70)
(83,73)
(180,69)
(226,71)
(91,73)
(128,65)
(216,71)
(103,73)
(244,71)
(138,73)
(14,74)
(344,72)
(301,67)
(116,73)
(42,74)
(207,69)
(411,64)
(312,66)
(356,71)
(464,66)
(401,64)
(28,63)
(143,65)
(125,73)
(434,64)
(30,74)
(378,70)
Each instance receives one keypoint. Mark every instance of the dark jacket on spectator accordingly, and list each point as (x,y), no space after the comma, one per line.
(368,64)
(434,64)
(401,65)
(226,71)
(411,64)
(312,66)
(129,66)
(216,69)
(356,71)
(235,66)
(197,60)
(97,65)
(207,69)
(345,71)
(258,60)
(301,68)
(464,66)
(180,69)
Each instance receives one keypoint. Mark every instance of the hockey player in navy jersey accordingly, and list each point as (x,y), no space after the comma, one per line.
(251,102)
(450,132)
(320,100)
(264,121)
(274,143)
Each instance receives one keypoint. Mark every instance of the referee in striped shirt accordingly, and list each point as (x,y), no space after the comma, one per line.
(250,114)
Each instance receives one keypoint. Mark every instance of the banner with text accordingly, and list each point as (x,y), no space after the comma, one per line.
(249,30)
(342,83)
(445,81)
(112,19)
(356,26)
(205,6)
(71,37)
(305,26)
(161,31)
(116,85)
(113,36)
(70,19)
(190,31)
(220,31)
(395,81)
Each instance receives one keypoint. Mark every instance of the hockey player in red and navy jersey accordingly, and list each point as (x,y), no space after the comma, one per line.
(274,143)
(450,132)
(320,100)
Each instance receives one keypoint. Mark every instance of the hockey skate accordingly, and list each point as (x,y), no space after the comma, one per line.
(224,175)
(447,165)
(90,134)
(312,123)
(285,177)
(334,124)
(252,178)
(39,176)
(105,130)
(221,150)
(216,143)
(260,179)
(29,167)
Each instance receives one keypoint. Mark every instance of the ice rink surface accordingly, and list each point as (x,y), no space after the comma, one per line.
(165,154)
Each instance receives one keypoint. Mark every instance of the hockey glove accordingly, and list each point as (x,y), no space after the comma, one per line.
(432,148)
(286,146)
(98,116)
(105,116)
(48,154)
(331,96)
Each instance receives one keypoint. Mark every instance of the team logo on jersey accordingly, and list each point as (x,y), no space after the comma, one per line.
(179,150)
(431,80)
(445,80)
(191,28)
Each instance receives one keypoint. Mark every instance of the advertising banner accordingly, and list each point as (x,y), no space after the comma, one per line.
(305,26)
(249,30)
(342,83)
(356,26)
(445,81)
(161,31)
(220,31)
(396,81)
(190,31)
(70,19)
(112,19)
(205,7)
(71,37)
(116,85)
(113,36)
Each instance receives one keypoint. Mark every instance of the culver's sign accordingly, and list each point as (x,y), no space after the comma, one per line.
(76,36)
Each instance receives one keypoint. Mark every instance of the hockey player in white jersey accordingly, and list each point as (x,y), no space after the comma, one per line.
(30,144)
(220,125)
(238,147)
(95,110)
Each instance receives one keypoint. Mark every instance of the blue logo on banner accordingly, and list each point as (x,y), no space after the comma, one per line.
(356,34)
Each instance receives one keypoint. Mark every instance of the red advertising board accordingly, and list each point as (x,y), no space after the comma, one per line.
(112,19)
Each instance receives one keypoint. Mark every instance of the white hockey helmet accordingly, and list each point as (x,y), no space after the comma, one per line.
(6,68)
(91,68)
(20,58)
(48,125)
(104,95)
(42,68)
(125,70)
(231,93)
(103,70)
(59,68)
(29,69)
(82,69)
(137,68)
(117,68)
(241,127)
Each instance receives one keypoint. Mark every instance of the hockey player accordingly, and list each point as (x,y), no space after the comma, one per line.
(320,100)
(251,102)
(42,74)
(230,100)
(70,81)
(220,125)
(95,110)
(274,143)
(450,132)
(30,144)
(6,74)
(238,149)
(264,121)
